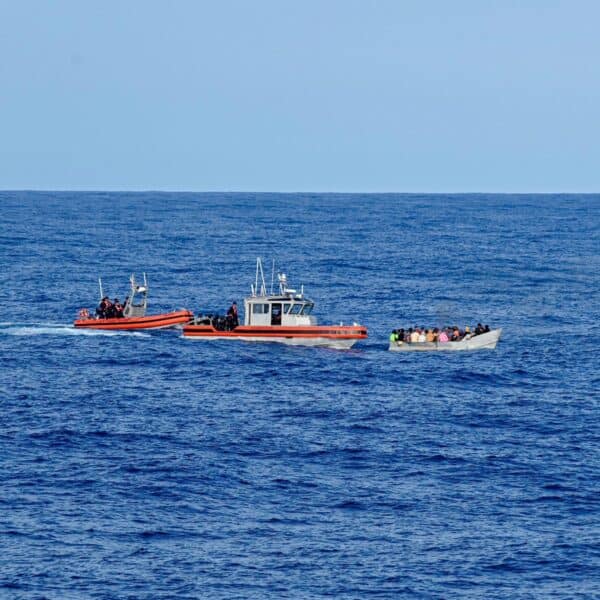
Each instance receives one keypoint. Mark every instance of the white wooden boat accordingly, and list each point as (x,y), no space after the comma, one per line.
(482,341)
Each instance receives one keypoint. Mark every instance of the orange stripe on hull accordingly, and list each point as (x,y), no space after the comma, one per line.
(333,333)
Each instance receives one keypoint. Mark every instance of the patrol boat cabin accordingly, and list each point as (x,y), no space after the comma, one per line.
(288,308)
(285,317)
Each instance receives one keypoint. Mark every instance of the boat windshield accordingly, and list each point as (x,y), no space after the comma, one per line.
(307,309)
(295,309)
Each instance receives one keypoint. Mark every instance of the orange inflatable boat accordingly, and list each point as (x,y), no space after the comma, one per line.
(132,314)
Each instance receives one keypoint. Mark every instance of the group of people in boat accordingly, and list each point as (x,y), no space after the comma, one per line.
(110,310)
(442,335)
(221,323)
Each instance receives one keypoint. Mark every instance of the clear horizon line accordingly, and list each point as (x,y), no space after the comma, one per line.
(188,191)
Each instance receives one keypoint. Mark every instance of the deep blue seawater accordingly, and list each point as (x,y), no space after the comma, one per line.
(144,465)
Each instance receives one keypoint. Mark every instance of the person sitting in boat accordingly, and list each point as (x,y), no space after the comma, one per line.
(479,329)
(429,336)
(117,309)
(455,337)
(109,311)
(232,316)
(422,336)
(443,337)
(397,336)
(414,335)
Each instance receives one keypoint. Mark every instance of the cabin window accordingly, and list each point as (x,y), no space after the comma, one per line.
(260,309)
(307,309)
(286,308)
(295,309)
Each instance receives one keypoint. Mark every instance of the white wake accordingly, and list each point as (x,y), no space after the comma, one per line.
(28,329)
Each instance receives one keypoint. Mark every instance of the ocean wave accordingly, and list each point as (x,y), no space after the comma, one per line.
(185,470)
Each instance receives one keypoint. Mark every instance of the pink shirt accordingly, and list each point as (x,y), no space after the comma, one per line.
(443,337)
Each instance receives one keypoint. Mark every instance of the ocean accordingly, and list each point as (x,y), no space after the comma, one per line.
(145,465)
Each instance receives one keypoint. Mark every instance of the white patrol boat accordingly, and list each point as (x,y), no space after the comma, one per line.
(285,317)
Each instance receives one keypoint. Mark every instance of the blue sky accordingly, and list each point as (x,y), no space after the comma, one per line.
(300,96)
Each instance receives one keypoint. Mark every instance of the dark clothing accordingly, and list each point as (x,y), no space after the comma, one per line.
(232,316)
(103,307)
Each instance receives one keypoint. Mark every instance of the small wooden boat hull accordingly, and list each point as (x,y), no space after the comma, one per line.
(339,337)
(162,321)
(478,342)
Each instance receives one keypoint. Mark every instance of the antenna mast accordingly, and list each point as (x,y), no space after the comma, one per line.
(259,271)
(272,276)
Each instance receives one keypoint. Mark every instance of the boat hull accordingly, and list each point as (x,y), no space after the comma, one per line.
(163,321)
(342,337)
(484,341)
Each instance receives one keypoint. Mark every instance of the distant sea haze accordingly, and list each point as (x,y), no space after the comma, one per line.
(146,465)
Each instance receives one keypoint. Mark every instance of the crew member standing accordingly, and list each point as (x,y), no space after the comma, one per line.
(232,315)
(102,308)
